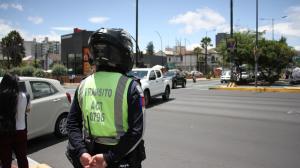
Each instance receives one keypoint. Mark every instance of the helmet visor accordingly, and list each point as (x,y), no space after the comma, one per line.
(107,54)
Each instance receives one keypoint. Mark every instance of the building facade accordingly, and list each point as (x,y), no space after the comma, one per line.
(220,37)
(45,52)
(74,51)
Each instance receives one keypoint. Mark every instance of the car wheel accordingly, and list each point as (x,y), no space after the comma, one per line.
(221,81)
(174,85)
(183,84)
(147,97)
(61,126)
(166,95)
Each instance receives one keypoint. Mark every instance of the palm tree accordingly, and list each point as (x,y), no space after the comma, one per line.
(197,51)
(205,42)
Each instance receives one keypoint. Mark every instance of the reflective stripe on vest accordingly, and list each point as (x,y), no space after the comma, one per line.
(103,100)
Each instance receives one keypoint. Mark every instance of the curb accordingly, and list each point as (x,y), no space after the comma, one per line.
(260,89)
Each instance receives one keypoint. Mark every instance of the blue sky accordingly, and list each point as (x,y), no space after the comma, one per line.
(185,21)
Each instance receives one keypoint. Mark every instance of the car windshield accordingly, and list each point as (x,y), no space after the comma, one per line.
(170,73)
(226,73)
(138,74)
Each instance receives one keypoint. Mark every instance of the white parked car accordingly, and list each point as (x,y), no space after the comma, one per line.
(245,75)
(225,77)
(295,76)
(50,104)
(197,74)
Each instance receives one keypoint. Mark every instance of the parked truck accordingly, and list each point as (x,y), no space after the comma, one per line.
(153,83)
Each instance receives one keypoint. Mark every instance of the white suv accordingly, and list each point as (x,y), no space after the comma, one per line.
(153,83)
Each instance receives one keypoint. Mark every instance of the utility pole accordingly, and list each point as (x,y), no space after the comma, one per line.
(273,22)
(137,33)
(232,44)
(256,45)
(231,30)
(161,48)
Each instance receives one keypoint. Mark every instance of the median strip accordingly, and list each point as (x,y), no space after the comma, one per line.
(259,89)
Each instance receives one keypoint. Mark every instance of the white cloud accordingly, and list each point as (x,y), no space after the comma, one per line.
(35,19)
(62,28)
(289,26)
(12,5)
(52,36)
(204,18)
(99,19)
(17,6)
(6,27)
(192,46)
(4,6)
(297,47)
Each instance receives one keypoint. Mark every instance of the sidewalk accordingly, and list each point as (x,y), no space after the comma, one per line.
(71,85)
(32,164)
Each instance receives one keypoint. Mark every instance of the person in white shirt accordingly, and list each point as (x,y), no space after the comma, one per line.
(13,131)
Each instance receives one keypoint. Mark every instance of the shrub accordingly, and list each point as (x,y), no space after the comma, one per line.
(16,71)
(59,70)
(2,72)
(28,71)
(40,73)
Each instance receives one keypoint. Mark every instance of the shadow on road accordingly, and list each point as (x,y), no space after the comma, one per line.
(42,142)
(158,101)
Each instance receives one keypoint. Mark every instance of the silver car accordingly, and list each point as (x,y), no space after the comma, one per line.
(50,104)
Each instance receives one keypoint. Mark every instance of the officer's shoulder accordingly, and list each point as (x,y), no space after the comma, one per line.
(134,79)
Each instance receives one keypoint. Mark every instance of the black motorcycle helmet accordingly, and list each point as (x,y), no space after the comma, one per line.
(111,49)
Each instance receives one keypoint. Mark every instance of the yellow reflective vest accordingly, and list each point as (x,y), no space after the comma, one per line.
(103,101)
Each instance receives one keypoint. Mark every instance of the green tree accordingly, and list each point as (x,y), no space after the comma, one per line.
(27,70)
(13,49)
(150,48)
(2,72)
(205,42)
(243,53)
(58,71)
(273,55)
(16,71)
(40,73)
(197,51)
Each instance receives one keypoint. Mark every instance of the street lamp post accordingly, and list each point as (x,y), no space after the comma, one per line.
(231,36)
(256,45)
(137,32)
(273,20)
(161,48)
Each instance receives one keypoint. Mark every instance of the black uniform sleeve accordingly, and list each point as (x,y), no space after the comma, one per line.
(133,136)
(74,127)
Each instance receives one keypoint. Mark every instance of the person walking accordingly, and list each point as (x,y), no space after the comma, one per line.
(13,131)
(106,121)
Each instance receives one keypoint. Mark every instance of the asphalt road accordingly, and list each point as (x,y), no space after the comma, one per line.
(209,129)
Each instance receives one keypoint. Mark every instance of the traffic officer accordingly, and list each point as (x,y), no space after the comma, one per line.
(106,121)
